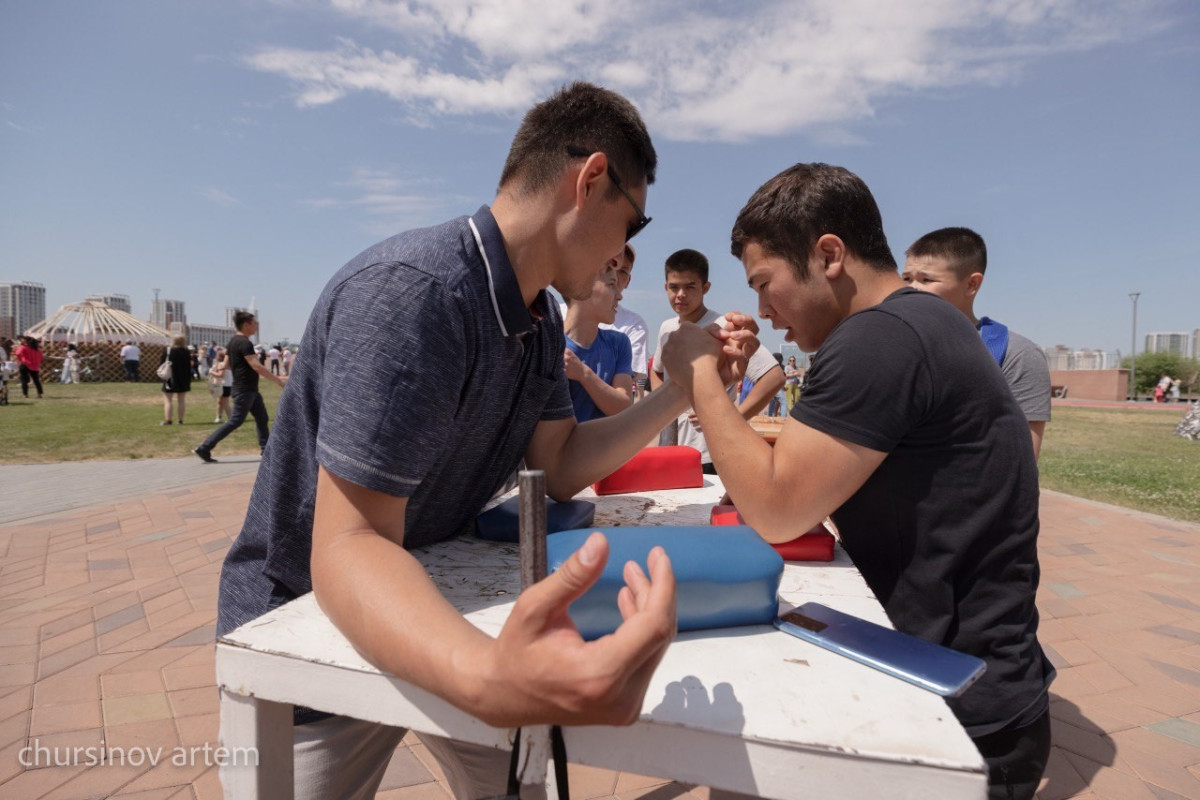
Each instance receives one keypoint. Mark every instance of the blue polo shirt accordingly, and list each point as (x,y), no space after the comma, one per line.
(423,376)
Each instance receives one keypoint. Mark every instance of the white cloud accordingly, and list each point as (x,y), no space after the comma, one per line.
(391,203)
(721,71)
(221,198)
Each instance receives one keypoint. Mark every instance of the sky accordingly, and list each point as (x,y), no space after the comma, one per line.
(224,150)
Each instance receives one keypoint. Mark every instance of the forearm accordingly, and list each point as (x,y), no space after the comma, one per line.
(261,369)
(745,461)
(656,380)
(383,601)
(761,393)
(597,448)
(611,400)
(1037,430)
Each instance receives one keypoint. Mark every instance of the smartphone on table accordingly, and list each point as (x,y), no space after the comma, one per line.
(931,666)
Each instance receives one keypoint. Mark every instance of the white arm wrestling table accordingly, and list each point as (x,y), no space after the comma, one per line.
(749,710)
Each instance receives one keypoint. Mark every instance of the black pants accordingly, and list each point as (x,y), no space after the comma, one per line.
(1016,759)
(131,370)
(243,403)
(28,375)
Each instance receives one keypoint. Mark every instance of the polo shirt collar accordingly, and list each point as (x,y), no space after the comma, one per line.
(507,304)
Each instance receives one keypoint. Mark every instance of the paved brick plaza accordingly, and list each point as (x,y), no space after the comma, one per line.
(108,579)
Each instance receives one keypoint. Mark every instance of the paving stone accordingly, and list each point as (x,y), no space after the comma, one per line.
(1184,731)
(405,769)
(136,708)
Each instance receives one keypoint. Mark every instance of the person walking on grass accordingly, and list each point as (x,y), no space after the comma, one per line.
(179,382)
(242,360)
(29,357)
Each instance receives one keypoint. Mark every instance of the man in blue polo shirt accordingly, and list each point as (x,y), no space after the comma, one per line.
(433,364)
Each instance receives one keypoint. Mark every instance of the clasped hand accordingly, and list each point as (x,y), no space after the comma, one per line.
(725,349)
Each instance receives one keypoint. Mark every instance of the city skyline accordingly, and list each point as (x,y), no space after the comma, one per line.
(223,151)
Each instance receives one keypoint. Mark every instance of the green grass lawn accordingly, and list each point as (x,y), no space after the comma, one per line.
(1124,456)
(1127,457)
(113,421)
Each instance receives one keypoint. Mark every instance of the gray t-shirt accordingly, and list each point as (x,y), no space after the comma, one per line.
(424,376)
(1028,376)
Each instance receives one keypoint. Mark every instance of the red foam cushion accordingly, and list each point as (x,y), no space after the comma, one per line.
(815,545)
(674,467)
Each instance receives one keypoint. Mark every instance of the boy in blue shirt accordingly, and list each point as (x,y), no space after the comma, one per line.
(598,363)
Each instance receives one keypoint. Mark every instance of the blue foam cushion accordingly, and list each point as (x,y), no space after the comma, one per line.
(502,523)
(725,576)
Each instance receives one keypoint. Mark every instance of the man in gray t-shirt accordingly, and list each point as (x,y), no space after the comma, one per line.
(950,263)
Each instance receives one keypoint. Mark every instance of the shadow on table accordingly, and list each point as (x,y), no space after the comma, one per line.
(1078,747)
(689,703)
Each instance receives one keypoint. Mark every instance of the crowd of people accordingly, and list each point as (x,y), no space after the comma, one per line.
(916,428)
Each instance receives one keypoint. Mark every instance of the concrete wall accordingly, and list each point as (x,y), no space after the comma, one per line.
(1092,384)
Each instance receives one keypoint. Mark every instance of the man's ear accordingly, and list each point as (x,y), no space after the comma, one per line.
(974,281)
(706,287)
(587,180)
(830,252)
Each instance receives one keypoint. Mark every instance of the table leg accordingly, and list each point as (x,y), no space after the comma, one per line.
(257,737)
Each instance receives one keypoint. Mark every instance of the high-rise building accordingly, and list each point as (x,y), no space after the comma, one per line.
(118,301)
(1061,357)
(1196,344)
(165,312)
(201,334)
(22,305)
(1167,343)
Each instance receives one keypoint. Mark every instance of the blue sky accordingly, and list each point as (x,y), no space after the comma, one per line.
(224,149)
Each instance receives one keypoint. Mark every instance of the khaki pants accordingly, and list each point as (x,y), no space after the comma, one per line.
(346,758)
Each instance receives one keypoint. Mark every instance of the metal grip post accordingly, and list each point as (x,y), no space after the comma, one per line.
(532,485)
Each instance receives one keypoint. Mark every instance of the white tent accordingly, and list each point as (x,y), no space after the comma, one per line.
(92,321)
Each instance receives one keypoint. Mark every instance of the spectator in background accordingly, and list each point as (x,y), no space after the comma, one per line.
(221,380)
(597,362)
(179,382)
(629,322)
(791,383)
(29,357)
(131,354)
(210,354)
(286,358)
(1160,388)
(1175,390)
(247,368)
(273,359)
(194,362)
(70,367)
(950,263)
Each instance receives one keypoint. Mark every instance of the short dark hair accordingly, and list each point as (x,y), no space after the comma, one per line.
(240,318)
(791,211)
(585,116)
(687,260)
(962,247)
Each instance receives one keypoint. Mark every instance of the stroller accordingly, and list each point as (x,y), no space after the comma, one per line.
(7,370)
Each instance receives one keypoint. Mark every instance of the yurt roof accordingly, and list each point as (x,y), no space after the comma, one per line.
(93,321)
